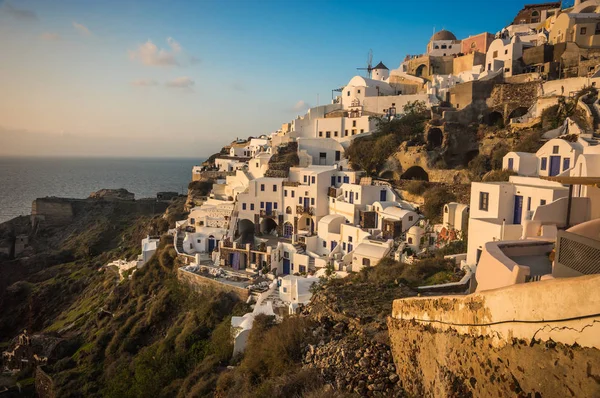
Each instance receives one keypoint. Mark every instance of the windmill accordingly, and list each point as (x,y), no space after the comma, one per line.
(369,67)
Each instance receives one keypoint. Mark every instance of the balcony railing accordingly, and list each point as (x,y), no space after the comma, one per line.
(305,210)
(268,213)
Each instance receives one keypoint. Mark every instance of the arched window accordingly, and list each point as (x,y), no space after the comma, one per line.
(366,262)
(445,209)
(288,210)
(436,47)
(443,46)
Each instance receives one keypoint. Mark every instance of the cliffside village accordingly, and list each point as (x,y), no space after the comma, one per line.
(272,230)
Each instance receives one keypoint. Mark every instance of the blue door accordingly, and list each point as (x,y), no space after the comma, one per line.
(269,208)
(554,165)
(333,245)
(511,162)
(518,209)
(383,196)
(566,164)
(211,243)
(332,181)
(286,266)
(306,203)
(346,180)
(351,197)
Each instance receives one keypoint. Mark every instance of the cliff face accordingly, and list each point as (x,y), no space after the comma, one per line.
(449,364)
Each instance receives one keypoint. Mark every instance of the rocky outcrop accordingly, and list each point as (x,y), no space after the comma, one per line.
(112,194)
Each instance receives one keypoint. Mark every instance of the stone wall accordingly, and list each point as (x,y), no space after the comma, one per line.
(533,339)
(211,175)
(505,98)
(52,211)
(201,283)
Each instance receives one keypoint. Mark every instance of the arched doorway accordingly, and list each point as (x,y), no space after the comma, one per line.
(288,210)
(288,230)
(415,173)
(435,137)
(267,226)
(211,243)
(494,119)
(246,231)
(518,112)
(420,70)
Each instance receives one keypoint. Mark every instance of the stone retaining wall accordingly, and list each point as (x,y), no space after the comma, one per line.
(203,284)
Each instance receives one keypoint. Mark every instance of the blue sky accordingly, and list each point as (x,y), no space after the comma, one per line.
(182,78)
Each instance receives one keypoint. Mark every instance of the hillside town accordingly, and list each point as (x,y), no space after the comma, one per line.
(478,160)
(294,205)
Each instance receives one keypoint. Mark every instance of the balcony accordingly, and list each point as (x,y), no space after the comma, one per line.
(305,210)
(269,213)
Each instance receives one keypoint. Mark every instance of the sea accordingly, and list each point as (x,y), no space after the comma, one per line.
(23,179)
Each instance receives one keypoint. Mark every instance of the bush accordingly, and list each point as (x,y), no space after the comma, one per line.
(201,188)
(498,156)
(479,166)
(435,199)
(530,142)
(498,175)
(417,187)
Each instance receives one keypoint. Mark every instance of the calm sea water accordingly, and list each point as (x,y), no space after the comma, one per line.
(24,179)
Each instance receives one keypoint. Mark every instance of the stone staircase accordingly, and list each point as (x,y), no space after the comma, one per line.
(299,248)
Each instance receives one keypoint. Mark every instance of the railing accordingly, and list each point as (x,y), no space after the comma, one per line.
(576,255)
(268,213)
(302,210)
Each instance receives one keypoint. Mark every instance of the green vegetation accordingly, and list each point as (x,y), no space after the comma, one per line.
(479,166)
(498,175)
(370,153)
(417,187)
(435,199)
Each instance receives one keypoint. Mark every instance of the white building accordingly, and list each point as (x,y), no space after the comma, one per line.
(503,54)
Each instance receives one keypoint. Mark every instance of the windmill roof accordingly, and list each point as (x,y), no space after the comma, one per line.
(380,65)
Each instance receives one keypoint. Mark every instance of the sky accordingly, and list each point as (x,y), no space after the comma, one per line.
(177,78)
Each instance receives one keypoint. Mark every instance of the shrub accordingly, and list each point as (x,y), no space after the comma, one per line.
(498,175)
(530,142)
(201,188)
(498,156)
(435,199)
(479,166)
(417,187)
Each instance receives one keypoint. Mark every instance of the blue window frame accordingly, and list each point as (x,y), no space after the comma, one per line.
(339,179)
(544,164)
(262,205)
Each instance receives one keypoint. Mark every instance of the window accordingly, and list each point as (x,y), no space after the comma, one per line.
(346,133)
(410,218)
(555,149)
(344,245)
(362,131)
(566,163)
(507,70)
(293,193)
(582,31)
(410,241)
(312,179)
(285,289)
(356,195)
(307,222)
(335,133)
(484,198)
(324,244)
(256,164)
(300,199)
(337,156)
(495,54)
(275,205)
(436,47)
(320,134)
(285,193)
(358,91)
(350,239)
(542,202)
(348,93)
(328,134)
(505,52)
(199,241)
(302,269)
(544,163)
(444,46)
(262,205)
(366,262)
(262,187)
(312,201)
(353,131)
(288,210)
(354,123)
(243,206)
(597,28)
(251,206)
(529,203)
(274,188)
(305,178)
(339,179)
(193,220)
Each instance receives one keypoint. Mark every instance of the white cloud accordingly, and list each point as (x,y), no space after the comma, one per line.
(181,82)
(300,106)
(83,30)
(149,54)
(50,36)
(144,83)
(19,13)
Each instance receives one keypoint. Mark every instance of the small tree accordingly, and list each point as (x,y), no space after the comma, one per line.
(435,199)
